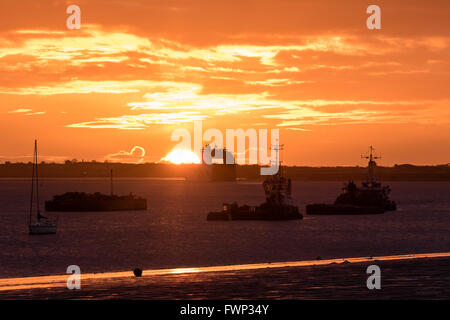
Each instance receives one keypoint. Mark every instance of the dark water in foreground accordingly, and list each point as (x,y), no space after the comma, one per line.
(175,233)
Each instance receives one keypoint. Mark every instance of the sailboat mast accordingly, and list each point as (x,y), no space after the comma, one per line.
(37,180)
(32,182)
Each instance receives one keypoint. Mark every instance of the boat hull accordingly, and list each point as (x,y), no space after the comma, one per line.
(256,213)
(96,205)
(46,228)
(333,209)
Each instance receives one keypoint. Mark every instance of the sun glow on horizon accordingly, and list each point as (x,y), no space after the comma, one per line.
(180,156)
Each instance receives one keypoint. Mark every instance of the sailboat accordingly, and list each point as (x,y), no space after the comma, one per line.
(42,225)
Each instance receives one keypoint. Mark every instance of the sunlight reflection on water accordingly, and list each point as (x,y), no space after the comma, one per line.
(60,280)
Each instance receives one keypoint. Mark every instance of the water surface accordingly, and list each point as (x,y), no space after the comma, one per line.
(174,232)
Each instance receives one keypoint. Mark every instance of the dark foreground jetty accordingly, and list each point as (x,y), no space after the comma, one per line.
(81,201)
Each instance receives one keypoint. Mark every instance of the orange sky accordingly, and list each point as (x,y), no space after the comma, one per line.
(137,70)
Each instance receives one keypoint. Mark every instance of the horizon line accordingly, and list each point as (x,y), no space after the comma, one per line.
(71,162)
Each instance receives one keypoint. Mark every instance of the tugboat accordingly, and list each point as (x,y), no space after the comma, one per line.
(370,198)
(81,201)
(279,204)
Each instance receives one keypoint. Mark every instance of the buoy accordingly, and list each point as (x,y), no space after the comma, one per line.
(137,272)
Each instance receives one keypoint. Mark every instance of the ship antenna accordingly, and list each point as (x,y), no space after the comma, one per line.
(371,166)
(278,147)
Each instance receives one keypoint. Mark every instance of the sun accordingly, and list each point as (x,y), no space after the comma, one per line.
(181,156)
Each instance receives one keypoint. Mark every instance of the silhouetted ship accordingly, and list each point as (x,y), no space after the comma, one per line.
(81,201)
(370,198)
(279,204)
(225,170)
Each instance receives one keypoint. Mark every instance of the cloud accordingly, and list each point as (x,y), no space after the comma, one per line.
(356,112)
(276,82)
(94,47)
(135,155)
(27,112)
(35,113)
(139,122)
(86,87)
(20,110)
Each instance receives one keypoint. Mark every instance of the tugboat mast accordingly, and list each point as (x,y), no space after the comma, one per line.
(276,187)
(277,148)
(372,164)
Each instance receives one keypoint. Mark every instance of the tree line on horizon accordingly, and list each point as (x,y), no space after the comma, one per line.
(80,169)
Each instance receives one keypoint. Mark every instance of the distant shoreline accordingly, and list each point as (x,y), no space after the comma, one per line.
(164,171)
